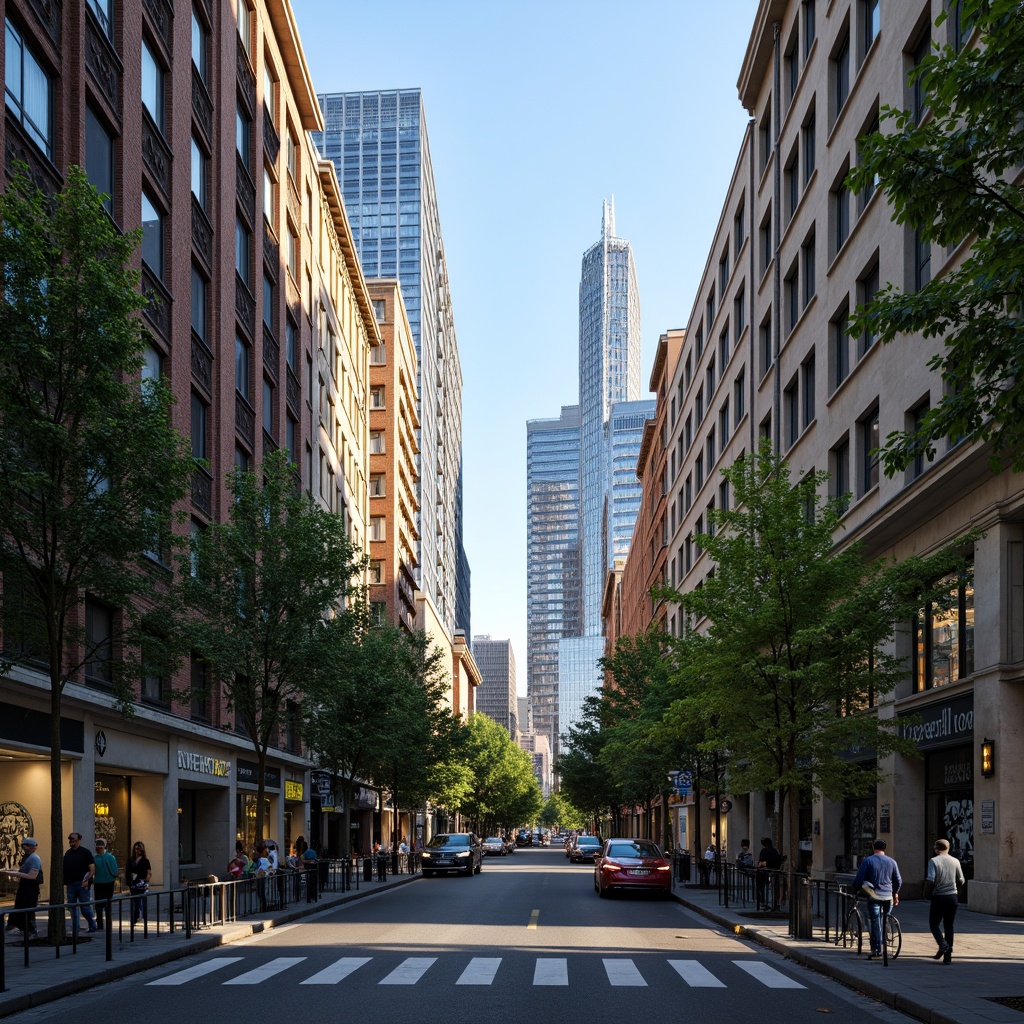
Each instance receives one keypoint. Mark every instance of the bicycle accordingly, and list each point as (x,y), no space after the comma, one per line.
(855,928)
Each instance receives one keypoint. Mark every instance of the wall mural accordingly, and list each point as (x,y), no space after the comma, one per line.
(958,821)
(15,824)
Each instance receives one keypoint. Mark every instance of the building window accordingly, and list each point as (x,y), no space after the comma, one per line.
(269,197)
(807,258)
(99,158)
(377,397)
(379,613)
(765,233)
(243,136)
(200,417)
(378,528)
(723,421)
(200,47)
(791,414)
(268,302)
(200,176)
(711,449)
(723,351)
(922,261)
(199,288)
(869,190)
(841,74)
(739,394)
(739,313)
(709,309)
(739,227)
(377,485)
(99,642)
(765,343)
(292,155)
(268,407)
(807,386)
(839,347)
(104,11)
(152,237)
(791,295)
(962,26)
(840,473)
(28,91)
(699,471)
(723,496)
(152,86)
(292,254)
(807,143)
(765,137)
(243,253)
(809,25)
(723,271)
(154,685)
(199,689)
(242,368)
(841,213)
(269,92)
(244,25)
(870,22)
(699,406)
(791,184)
(379,310)
(916,423)
(944,636)
(918,97)
(791,64)
(868,451)
(376,442)
(867,287)
(291,344)
(709,380)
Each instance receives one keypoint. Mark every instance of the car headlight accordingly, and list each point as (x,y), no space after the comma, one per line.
(427,855)
(464,853)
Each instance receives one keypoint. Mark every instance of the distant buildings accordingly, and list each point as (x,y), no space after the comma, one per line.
(496,694)
(377,141)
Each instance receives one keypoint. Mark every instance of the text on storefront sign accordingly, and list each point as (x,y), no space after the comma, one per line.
(203,765)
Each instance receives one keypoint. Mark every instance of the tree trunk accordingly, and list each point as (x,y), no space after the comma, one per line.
(56,931)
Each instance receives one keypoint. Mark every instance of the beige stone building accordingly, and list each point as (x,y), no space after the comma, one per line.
(767,355)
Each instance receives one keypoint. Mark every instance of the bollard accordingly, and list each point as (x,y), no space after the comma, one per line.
(803,901)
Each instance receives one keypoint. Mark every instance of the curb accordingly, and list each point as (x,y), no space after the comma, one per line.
(805,958)
(203,943)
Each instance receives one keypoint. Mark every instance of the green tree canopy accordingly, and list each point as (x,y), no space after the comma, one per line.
(90,466)
(954,178)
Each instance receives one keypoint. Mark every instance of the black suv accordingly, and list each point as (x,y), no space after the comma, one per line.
(455,852)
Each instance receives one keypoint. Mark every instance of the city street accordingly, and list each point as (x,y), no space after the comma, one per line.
(528,934)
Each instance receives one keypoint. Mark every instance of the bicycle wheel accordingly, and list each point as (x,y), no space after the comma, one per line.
(853,930)
(893,937)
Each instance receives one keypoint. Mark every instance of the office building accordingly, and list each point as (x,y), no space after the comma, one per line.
(378,143)
(496,694)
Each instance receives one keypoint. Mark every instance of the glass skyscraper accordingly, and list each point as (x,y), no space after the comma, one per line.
(625,433)
(377,142)
(609,368)
(554,605)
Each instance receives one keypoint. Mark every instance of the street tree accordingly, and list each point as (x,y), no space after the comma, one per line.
(91,467)
(585,778)
(793,654)
(264,586)
(558,810)
(953,178)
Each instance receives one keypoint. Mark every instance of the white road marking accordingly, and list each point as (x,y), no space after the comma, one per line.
(191,973)
(624,972)
(409,971)
(267,970)
(551,971)
(695,974)
(767,974)
(338,971)
(481,971)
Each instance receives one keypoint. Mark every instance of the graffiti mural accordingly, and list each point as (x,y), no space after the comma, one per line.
(958,827)
(15,824)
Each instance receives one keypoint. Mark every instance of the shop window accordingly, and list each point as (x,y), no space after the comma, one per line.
(944,635)
(187,826)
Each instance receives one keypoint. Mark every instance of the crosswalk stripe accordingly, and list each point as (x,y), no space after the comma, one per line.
(409,971)
(338,971)
(695,974)
(552,970)
(767,974)
(624,972)
(481,971)
(265,971)
(191,973)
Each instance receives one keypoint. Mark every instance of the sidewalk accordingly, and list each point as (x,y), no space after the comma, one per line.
(987,961)
(48,978)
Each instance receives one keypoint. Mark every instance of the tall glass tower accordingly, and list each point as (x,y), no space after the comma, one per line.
(609,367)
(377,142)
(625,435)
(554,606)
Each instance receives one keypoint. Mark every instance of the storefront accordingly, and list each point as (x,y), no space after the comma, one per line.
(203,810)
(944,736)
(247,783)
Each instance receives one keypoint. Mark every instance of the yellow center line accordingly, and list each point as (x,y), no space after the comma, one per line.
(534,915)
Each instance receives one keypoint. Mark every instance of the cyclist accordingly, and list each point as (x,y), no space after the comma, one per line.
(879,877)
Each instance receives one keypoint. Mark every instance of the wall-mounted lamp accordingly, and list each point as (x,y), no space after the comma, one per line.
(988,758)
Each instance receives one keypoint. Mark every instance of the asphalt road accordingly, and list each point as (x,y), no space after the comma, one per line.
(527,939)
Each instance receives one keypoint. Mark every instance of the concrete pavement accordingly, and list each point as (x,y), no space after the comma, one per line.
(987,961)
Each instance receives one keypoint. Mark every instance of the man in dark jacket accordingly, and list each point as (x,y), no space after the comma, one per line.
(79,867)
(769,860)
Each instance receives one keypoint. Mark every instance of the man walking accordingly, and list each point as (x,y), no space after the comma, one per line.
(945,877)
(879,877)
(79,868)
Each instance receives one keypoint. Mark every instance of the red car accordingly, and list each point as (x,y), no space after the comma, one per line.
(631,864)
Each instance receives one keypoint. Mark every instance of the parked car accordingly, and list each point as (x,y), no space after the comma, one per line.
(584,848)
(524,839)
(631,864)
(453,852)
(494,846)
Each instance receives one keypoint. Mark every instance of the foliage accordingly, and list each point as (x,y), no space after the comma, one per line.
(90,465)
(264,585)
(792,649)
(954,179)
(504,791)
(585,779)
(558,810)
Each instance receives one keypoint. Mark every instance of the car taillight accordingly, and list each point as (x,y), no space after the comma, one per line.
(611,865)
(664,867)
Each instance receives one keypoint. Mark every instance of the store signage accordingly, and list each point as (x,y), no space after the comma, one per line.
(988,817)
(201,764)
(942,724)
(249,771)
(292,790)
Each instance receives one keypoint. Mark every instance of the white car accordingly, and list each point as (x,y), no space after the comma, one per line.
(494,846)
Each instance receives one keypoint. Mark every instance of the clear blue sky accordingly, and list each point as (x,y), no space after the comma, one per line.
(536,111)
